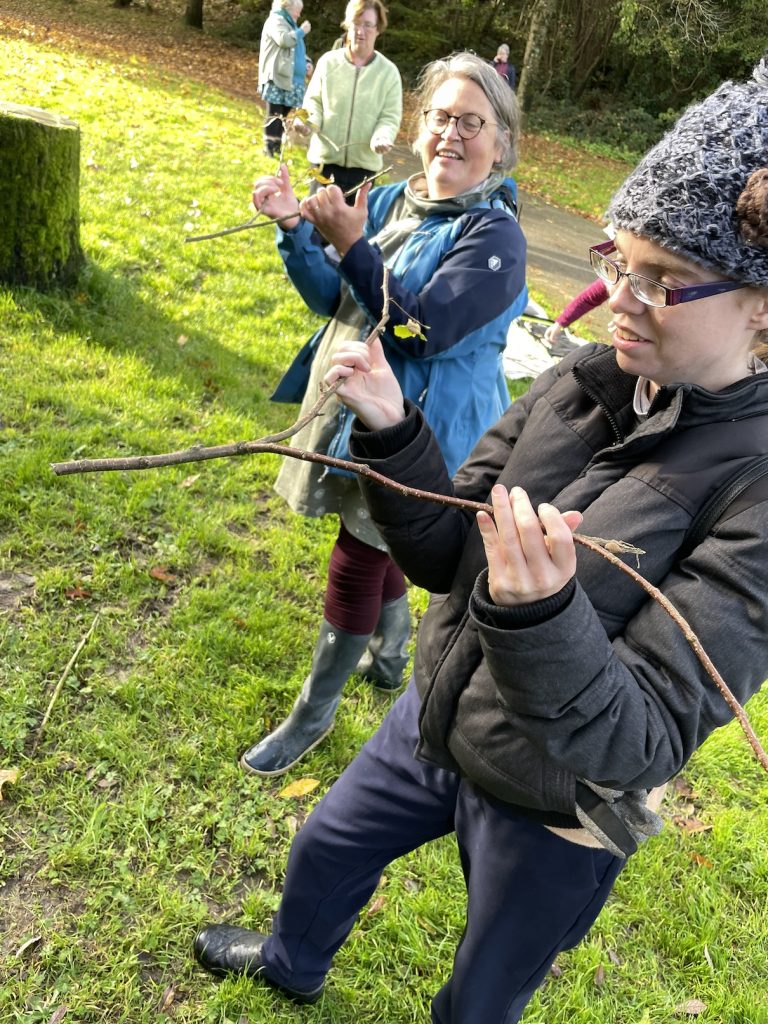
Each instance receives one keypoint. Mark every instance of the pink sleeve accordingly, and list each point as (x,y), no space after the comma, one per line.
(592,296)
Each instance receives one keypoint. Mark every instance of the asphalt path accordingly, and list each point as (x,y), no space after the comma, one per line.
(558,260)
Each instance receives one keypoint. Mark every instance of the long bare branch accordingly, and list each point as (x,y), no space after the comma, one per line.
(255,223)
(271,443)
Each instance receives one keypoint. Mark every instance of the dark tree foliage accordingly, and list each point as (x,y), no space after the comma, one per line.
(616,70)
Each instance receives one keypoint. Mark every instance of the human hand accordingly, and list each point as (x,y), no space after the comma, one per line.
(340,224)
(530,556)
(380,143)
(305,27)
(273,195)
(552,333)
(299,126)
(370,388)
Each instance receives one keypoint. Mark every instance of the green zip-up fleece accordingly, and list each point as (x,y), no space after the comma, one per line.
(349,105)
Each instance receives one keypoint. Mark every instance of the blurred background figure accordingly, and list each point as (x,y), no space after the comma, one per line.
(282,68)
(354,100)
(593,295)
(502,65)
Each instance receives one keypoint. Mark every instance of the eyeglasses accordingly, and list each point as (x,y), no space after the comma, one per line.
(652,293)
(365,26)
(467,125)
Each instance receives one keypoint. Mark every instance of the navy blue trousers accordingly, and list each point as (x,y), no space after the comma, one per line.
(530,893)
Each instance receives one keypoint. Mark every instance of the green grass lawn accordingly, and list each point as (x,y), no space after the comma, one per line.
(130,824)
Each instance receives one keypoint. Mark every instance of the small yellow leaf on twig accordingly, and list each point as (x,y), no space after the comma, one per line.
(412,329)
(7,775)
(299,788)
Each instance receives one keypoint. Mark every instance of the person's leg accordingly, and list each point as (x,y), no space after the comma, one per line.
(531,894)
(357,577)
(352,608)
(273,128)
(385,804)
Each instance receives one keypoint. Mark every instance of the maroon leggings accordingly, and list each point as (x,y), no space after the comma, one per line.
(360,580)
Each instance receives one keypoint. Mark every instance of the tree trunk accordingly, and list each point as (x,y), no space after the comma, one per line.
(194,14)
(534,47)
(40,198)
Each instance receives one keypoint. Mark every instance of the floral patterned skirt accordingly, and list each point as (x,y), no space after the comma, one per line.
(285,97)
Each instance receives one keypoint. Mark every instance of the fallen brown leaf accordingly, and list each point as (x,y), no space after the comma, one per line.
(700,859)
(58,1014)
(376,906)
(599,978)
(160,572)
(683,787)
(690,825)
(166,999)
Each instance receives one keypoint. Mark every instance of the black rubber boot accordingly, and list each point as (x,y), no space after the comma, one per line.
(311,719)
(384,662)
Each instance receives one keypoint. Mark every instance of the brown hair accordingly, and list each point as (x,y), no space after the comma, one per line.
(355,8)
(752,208)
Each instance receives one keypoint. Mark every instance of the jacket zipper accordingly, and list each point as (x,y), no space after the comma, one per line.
(606,411)
(351,114)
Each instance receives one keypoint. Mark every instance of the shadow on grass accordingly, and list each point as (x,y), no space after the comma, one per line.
(105,309)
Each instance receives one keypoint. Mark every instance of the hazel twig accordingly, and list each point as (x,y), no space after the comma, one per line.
(255,223)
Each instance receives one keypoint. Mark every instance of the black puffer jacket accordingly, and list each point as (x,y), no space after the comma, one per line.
(598,683)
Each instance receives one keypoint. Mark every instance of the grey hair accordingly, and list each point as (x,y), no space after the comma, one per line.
(284,5)
(497,90)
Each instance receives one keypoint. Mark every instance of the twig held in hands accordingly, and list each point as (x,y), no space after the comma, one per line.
(255,223)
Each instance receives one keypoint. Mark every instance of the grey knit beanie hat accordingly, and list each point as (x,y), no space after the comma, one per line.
(702,191)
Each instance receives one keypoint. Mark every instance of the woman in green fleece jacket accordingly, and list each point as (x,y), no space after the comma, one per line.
(354,101)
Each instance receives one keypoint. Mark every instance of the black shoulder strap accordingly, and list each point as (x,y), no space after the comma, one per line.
(750,481)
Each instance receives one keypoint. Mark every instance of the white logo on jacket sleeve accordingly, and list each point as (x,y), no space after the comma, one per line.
(494,262)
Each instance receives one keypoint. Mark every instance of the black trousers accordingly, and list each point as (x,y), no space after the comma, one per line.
(273,127)
(530,893)
(345,177)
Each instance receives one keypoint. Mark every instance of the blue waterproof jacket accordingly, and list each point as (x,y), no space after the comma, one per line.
(461,276)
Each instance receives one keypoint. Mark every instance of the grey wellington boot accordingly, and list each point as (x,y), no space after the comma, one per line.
(384,662)
(311,718)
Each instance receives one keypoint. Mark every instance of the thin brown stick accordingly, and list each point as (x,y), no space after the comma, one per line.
(253,223)
(692,639)
(60,684)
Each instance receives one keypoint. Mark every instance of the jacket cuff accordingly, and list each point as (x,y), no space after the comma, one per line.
(486,613)
(380,444)
(296,238)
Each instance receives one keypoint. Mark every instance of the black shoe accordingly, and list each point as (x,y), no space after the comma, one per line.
(226,949)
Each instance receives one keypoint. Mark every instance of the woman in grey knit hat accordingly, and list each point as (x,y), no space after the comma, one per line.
(552,699)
